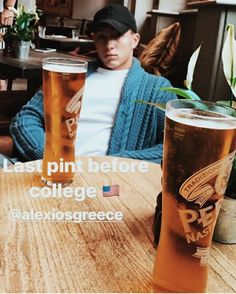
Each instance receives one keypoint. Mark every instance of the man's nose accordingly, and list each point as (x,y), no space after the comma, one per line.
(110,44)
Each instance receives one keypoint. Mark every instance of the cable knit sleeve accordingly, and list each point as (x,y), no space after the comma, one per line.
(27,129)
(153,154)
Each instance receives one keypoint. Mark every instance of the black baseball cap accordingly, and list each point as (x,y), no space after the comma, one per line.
(116,15)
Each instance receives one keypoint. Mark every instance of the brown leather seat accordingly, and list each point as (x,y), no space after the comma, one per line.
(158,57)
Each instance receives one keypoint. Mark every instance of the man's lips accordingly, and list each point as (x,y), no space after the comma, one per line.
(110,55)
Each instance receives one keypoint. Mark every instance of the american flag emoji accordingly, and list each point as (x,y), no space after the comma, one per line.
(111,190)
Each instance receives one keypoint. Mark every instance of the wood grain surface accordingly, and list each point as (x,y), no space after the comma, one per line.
(89,257)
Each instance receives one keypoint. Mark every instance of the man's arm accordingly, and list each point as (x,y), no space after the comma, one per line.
(153,154)
(27,129)
(8,14)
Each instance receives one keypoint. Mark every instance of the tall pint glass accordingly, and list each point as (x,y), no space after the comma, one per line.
(199,148)
(63,85)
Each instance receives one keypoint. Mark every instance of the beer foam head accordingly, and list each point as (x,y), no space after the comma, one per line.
(64,68)
(204,119)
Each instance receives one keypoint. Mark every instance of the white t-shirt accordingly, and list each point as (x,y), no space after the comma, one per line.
(100,102)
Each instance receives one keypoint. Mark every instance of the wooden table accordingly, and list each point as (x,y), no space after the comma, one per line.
(30,69)
(67,44)
(90,257)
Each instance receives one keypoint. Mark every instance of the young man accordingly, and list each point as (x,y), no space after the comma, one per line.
(111,122)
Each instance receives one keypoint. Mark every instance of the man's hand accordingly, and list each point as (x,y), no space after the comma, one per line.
(7,17)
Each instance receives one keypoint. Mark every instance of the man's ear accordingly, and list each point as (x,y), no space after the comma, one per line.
(136,38)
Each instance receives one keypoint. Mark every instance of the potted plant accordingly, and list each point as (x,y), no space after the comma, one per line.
(20,35)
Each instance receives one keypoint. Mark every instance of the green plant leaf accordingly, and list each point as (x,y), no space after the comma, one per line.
(229,58)
(160,106)
(233,82)
(191,68)
(224,102)
(187,94)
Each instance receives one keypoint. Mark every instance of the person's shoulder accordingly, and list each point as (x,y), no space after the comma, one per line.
(148,79)
(136,66)
(157,83)
(158,80)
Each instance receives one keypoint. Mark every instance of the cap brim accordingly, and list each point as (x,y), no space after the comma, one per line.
(121,28)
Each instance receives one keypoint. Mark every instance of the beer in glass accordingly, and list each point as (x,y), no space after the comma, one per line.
(199,149)
(63,85)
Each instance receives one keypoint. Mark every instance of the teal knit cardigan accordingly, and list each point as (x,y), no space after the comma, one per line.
(137,131)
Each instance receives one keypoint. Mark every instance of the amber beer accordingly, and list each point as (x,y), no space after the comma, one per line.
(63,84)
(199,148)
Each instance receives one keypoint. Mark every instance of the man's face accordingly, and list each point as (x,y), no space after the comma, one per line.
(115,50)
